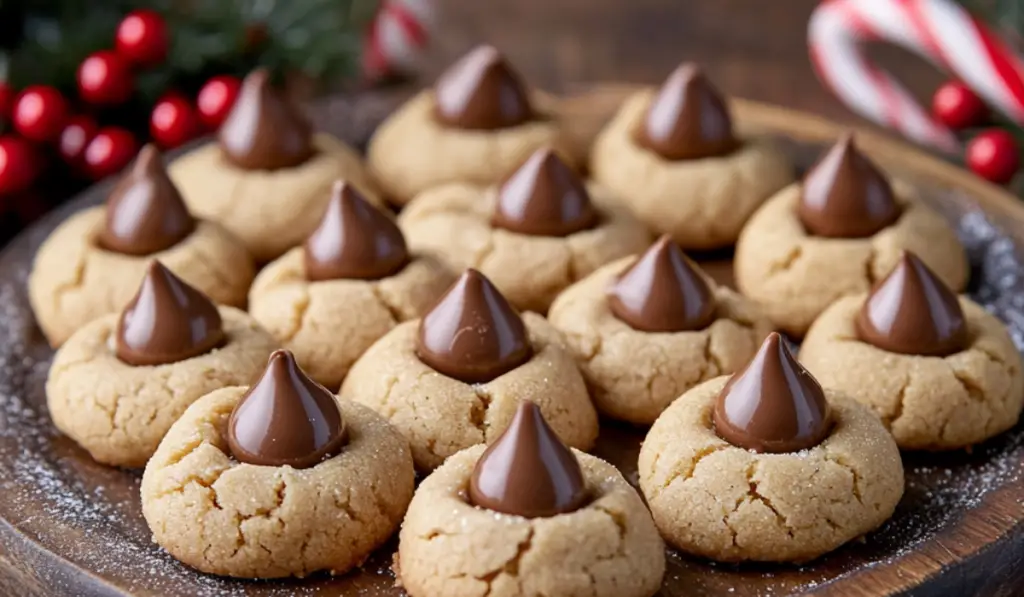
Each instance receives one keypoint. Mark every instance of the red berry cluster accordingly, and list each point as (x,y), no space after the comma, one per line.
(992,153)
(41,116)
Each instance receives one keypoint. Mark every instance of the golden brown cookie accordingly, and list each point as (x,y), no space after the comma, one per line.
(674,159)
(802,472)
(277,513)
(646,329)
(118,384)
(534,235)
(939,371)
(781,263)
(454,378)
(607,546)
(351,282)
(92,263)
(268,178)
(478,123)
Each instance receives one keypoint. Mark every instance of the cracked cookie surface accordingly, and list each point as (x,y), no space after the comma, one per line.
(440,415)
(269,211)
(634,375)
(329,324)
(74,280)
(607,548)
(120,412)
(718,501)
(453,222)
(795,275)
(928,403)
(701,203)
(398,159)
(223,517)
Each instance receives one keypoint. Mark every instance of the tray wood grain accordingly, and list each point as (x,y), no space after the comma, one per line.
(71,527)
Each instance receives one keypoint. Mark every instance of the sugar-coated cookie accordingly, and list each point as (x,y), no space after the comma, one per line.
(645,329)
(478,123)
(351,282)
(833,234)
(767,466)
(528,516)
(535,234)
(453,379)
(674,159)
(940,371)
(278,479)
(117,385)
(268,178)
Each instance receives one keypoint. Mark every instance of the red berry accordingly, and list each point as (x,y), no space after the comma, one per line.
(173,121)
(142,37)
(105,78)
(6,100)
(109,151)
(957,106)
(19,164)
(993,155)
(39,113)
(75,137)
(216,99)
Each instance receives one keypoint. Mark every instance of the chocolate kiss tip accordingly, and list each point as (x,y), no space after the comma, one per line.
(912,311)
(167,321)
(663,292)
(528,471)
(773,404)
(472,333)
(481,91)
(845,195)
(354,240)
(285,419)
(544,197)
(687,118)
(145,213)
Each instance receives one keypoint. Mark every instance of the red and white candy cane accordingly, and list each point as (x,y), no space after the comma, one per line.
(398,34)
(940,31)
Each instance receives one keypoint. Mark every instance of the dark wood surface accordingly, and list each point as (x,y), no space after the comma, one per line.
(71,527)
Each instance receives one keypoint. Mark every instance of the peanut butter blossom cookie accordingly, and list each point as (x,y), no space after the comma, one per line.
(674,158)
(478,123)
(268,177)
(92,263)
(351,281)
(940,371)
(766,465)
(646,329)
(454,378)
(279,479)
(845,218)
(535,234)
(537,519)
(118,383)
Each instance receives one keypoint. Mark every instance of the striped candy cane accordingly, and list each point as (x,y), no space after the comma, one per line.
(940,31)
(398,34)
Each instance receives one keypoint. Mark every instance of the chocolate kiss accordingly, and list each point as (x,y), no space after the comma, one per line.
(544,197)
(687,118)
(773,404)
(264,131)
(354,240)
(145,213)
(663,292)
(845,196)
(285,419)
(528,471)
(167,321)
(912,311)
(481,91)
(472,334)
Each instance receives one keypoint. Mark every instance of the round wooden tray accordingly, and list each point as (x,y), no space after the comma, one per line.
(71,527)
